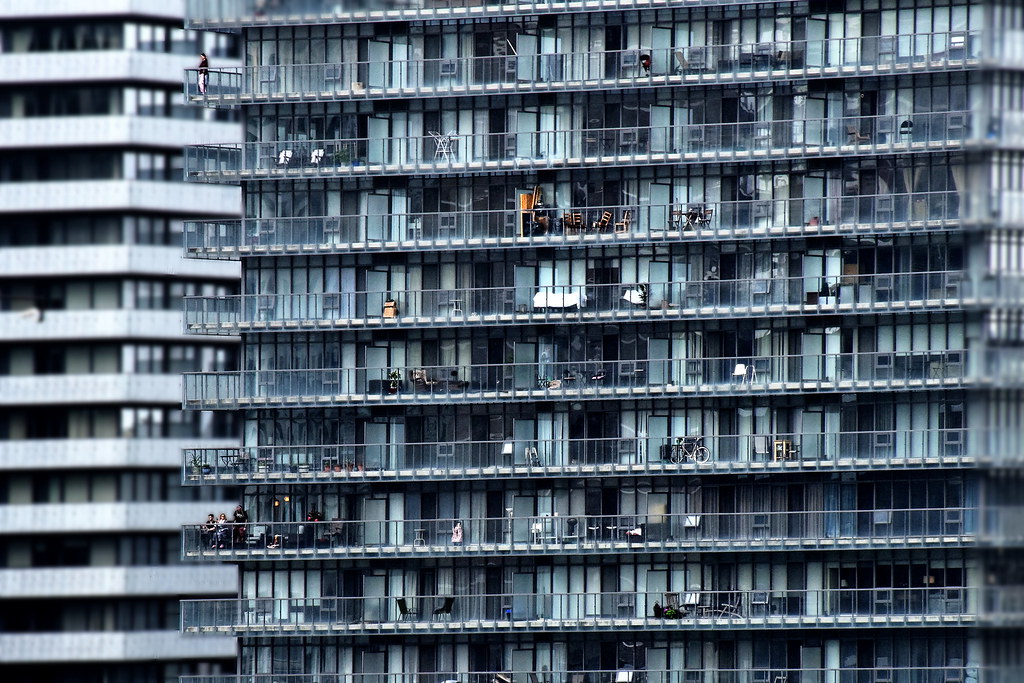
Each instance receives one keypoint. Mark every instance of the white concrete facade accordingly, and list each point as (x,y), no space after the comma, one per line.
(135,516)
(89,324)
(127,519)
(114,195)
(34,648)
(92,389)
(115,259)
(70,582)
(62,132)
(31,455)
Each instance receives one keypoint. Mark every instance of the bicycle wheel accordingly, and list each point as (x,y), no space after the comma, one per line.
(701,454)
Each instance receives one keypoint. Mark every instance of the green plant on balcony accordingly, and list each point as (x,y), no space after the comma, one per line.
(342,155)
(394,377)
(198,465)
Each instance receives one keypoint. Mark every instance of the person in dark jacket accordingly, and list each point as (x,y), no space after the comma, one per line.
(240,518)
(204,73)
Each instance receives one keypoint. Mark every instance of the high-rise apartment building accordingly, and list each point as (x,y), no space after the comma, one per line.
(92,204)
(619,341)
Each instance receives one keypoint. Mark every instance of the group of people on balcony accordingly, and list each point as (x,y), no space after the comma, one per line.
(219,532)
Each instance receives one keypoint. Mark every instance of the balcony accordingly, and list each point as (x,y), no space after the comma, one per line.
(581,226)
(114,195)
(450,152)
(99,260)
(62,583)
(34,520)
(949,606)
(63,132)
(205,14)
(797,296)
(605,380)
(59,68)
(590,534)
(78,325)
(531,73)
(521,459)
(88,388)
(136,645)
(955,672)
(39,455)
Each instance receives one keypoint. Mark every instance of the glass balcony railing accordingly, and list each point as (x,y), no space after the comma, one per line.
(954,672)
(697,221)
(953,606)
(206,14)
(580,303)
(520,458)
(881,528)
(501,152)
(596,380)
(703,64)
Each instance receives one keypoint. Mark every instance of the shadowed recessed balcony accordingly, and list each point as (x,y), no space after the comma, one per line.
(952,527)
(543,611)
(394,153)
(575,226)
(574,71)
(954,672)
(601,380)
(473,306)
(237,13)
(537,458)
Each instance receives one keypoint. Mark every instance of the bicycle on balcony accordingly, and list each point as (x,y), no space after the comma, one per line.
(689,448)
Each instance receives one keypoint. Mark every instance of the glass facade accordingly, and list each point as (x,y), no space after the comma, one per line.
(615,342)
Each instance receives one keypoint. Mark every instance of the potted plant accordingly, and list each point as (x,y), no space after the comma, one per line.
(342,156)
(394,377)
(198,465)
(644,294)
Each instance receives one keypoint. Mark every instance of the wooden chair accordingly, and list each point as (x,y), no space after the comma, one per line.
(602,225)
(627,220)
(855,135)
(572,223)
(705,219)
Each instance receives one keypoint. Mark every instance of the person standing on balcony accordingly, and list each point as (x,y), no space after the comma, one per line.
(204,73)
(240,518)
